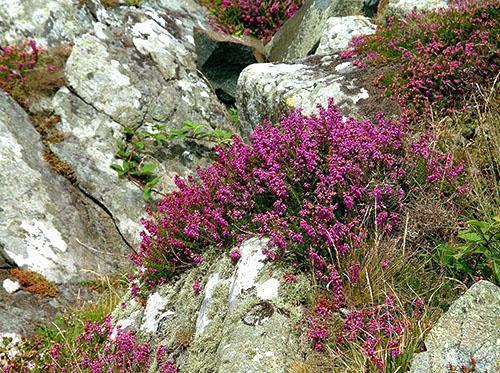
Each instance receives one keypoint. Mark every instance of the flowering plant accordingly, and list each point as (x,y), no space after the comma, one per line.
(15,60)
(259,18)
(102,347)
(433,60)
(313,184)
(29,71)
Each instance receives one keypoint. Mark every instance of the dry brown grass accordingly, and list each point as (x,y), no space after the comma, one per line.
(183,337)
(34,282)
(59,165)
(45,124)
(474,136)
(109,3)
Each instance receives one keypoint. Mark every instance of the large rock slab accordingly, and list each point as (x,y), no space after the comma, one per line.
(340,30)
(45,224)
(136,69)
(242,320)
(470,328)
(299,36)
(269,90)
(49,22)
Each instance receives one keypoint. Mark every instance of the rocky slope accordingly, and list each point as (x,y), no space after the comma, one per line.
(137,67)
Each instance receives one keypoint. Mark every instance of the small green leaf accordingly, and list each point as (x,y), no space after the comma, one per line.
(470,236)
(139,145)
(116,167)
(153,182)
(148,168)
(147,194)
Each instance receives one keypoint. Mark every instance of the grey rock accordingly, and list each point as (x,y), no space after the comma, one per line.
(470,328)
(45,224)
(299,36)
(9,346)
(138,73)
(241,322)
(340,30)
(399,8)
(88,146)
(49,22)
(269,90)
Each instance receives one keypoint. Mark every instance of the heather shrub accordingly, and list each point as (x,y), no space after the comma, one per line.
(28,71)
(101,347)
(15,61)
(432,61)
(83,339)
(317,186)
(258,18)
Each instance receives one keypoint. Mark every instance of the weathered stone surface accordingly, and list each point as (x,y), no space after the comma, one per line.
(139,73)
(241,322)
(398,8)
(49,22)
(340,30)
(90,140)
(45,225)
(9,343)
(222,57)
(471,327)
(269,90)
(300,35)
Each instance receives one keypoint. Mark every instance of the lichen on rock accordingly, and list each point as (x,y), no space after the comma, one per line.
(243,321)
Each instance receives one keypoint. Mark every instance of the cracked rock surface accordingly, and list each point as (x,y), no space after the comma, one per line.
(135,70)
(471,327)
(48,22)
(242,321)
(130,67)
(45,224)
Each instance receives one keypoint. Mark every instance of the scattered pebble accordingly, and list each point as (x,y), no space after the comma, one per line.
(11,286)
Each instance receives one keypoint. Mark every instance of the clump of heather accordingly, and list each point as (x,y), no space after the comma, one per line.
(100,348)
(30,71)
(317,186)
(433,60)
(380,332)
(15,60)
(258,18)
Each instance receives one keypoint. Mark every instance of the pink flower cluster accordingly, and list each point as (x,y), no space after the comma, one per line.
(259,18)
(379,330)
(102,348)
(431,60)
(16,60)
(308,183)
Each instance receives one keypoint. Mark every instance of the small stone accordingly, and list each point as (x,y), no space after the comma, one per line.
(11,286)
(398,8)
